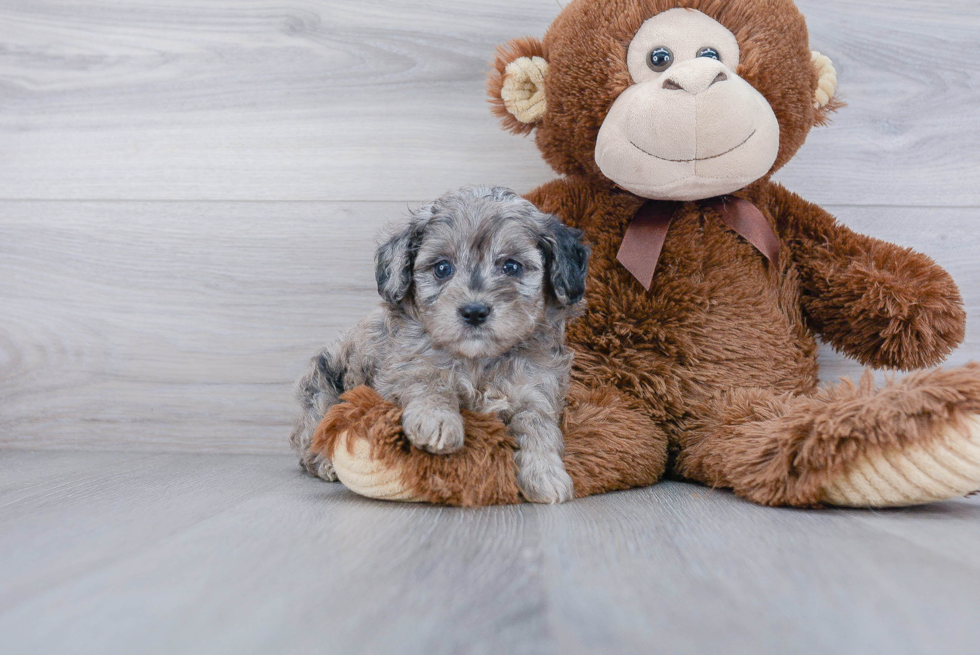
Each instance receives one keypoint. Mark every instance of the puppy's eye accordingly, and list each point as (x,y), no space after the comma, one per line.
(443,270)
(660,59)
(710,53)
(512,268)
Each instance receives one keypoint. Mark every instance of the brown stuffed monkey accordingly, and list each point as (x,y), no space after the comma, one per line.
(697,354)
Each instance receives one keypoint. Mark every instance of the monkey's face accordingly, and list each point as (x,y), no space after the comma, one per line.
(689,127)
(669,99)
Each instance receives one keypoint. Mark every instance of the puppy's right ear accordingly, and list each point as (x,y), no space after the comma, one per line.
(394,259)
(516,85)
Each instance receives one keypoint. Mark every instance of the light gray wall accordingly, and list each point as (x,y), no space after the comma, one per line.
(188,190)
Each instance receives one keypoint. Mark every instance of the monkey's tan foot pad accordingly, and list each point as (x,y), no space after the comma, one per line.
(363,438)
(943,468)
(368,476)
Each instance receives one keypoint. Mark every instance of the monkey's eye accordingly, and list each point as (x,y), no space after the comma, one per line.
(660,59)
(443,270)
(512,268)
(710,53)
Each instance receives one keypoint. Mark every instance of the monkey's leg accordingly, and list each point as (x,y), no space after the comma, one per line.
(913,441)
(608,446)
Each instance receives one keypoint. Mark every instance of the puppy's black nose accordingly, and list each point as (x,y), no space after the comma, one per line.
(475,313)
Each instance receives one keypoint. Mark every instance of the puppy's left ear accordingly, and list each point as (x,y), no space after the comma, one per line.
(394,259)
(566,261)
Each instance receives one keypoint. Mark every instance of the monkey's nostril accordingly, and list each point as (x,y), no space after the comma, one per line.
(721,78)
(671,85)
(475,313)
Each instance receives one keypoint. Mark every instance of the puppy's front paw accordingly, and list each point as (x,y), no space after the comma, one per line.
(437,430)
(546,483)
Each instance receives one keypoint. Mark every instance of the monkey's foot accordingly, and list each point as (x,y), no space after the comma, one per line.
(369,476)
(363,437)
(945,467)
(608,446)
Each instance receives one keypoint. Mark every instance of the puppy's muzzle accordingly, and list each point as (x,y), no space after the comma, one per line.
(475,314)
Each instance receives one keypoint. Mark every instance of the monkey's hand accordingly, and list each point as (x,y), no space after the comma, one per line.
(886,306)
(895,309)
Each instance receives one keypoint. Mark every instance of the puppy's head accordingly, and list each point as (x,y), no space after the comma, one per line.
(480,268)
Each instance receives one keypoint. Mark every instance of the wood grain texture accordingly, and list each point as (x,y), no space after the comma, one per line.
(351,100)
(287,132)
(160,324)
(110,553)
(183,325)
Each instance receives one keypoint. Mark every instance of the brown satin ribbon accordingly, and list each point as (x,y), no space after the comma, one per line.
(645,237)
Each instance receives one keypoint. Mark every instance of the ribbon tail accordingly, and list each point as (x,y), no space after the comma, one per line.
(746,219)
(644,240)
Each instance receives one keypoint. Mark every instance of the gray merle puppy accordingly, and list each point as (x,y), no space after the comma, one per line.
(478,286)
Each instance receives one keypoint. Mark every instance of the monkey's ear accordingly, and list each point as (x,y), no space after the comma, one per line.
(824,101)
(516,85)
(394,260)
(566,261)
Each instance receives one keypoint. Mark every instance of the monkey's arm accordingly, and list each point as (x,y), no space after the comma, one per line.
(886,306)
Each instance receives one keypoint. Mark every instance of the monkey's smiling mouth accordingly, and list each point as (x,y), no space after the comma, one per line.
(687,161)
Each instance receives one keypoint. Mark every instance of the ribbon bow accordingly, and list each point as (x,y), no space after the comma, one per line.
(644,239)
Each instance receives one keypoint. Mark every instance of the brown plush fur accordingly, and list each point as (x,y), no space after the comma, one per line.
(609,446)
(781,450)
(602,453)
(717,362)
(483,473)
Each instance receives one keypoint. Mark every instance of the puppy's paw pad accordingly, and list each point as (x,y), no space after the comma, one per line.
(940,469)
(547,486)
(435,430)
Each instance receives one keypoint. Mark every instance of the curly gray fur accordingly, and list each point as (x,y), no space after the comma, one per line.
(422,351)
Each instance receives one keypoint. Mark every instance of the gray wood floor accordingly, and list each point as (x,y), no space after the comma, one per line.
(190,553)
(188,196)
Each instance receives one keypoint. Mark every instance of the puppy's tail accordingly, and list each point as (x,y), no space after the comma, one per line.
(317,391)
